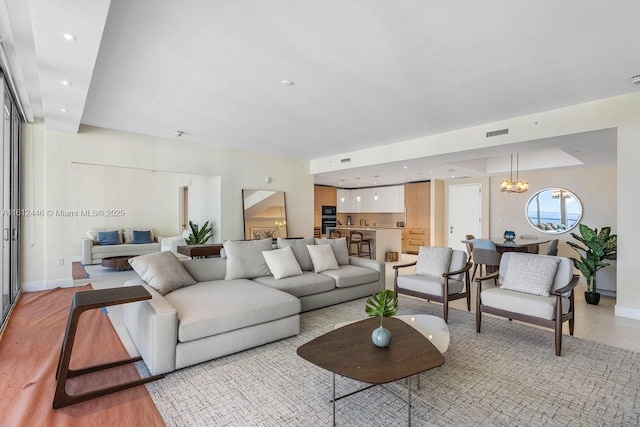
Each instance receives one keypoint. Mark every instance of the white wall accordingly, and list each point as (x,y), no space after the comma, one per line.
(47,171)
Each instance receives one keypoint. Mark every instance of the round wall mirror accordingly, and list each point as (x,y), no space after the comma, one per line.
(553,210)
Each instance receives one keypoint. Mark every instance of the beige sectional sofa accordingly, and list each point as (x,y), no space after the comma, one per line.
(93,252)
(223,312)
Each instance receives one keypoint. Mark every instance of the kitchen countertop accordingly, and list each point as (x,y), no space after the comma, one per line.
(367,227)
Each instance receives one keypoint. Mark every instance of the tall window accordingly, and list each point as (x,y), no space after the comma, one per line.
(9,181)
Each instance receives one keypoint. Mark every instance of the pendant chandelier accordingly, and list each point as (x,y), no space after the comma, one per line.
(511,186)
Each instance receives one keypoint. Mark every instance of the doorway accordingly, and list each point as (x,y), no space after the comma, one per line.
(183,202)
(465,213)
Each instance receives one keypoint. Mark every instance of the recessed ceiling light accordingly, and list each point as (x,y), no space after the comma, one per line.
(178,133)
(286,83)
(65,83)
(64,110)
(68,37)
(406,167)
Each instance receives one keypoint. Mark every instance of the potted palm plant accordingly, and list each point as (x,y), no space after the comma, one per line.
(598,246)
(383,304)
(199,235)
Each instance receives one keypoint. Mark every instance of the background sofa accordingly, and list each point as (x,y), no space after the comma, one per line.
(93,252)
(222,310)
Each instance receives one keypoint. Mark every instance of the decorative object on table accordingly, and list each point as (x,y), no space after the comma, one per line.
(198,235)
(599,246)
(511,186)
(383,304)
(509,235)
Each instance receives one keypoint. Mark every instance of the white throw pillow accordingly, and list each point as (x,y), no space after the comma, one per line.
(433,261)
(163,271)
(530,273)
(340,250)
(282,263)
(299,247)
(322,258)
(244,258)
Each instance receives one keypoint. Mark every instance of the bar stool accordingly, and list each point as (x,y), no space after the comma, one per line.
(335,234)
(364,242)
(355,238)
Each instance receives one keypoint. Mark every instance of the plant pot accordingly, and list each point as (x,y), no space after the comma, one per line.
(381,337)
(592,298)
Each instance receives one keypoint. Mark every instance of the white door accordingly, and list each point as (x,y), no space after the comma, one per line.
(465,213)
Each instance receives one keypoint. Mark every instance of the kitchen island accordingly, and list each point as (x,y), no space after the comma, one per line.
(383,239)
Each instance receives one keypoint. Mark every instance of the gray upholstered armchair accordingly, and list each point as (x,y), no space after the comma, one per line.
(532,288)
(441,275)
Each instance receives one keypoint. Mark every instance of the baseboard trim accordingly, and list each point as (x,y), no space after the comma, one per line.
(629,312)
(38,286)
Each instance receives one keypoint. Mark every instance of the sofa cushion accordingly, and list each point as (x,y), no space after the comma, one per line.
(210,308)
(299,286)
(299,247)
(244,258)
(162,271)
(322,257)
(339,247)
(282,263)
(141,237)
(352,275)
(93,234)
(108,237)
(429,285)
(103,251)
(530,273)
(520,302)
(433,261)
(127,234)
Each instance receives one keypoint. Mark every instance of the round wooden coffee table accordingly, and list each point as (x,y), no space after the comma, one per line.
(120,263)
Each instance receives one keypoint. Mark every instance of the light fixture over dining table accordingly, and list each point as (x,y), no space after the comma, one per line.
(511,186)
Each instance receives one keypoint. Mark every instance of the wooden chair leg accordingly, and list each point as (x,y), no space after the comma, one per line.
(558,326)
(478,312)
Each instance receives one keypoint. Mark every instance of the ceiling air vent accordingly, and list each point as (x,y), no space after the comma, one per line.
(347,160)
(497,132)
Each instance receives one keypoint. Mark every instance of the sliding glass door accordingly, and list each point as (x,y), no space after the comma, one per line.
(9,181)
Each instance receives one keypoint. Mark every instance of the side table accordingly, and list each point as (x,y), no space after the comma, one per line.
(83,301)
(200,251)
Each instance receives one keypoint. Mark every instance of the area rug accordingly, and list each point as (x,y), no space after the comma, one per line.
(29,353)
(507,375)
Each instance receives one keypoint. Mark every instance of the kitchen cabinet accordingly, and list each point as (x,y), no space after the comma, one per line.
(344,201)
(390,200)
(322,196)
(417,200)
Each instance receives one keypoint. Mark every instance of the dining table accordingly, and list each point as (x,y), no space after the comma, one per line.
(519,244)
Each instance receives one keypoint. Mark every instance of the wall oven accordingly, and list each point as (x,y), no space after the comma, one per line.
(328,218)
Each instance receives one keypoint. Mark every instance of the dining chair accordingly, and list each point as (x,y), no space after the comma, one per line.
(469,245)
(489,258)
(552,249)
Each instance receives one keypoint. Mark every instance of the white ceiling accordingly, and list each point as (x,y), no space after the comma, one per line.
(365,72)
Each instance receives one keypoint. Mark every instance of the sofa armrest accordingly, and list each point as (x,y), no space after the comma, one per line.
(85,256)
(372,264)
(153,327)
(158,239)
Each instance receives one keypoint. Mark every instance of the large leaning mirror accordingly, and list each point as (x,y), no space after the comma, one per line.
(265,214)
(553,210)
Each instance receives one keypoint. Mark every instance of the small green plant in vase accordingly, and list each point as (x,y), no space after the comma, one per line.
(383,304)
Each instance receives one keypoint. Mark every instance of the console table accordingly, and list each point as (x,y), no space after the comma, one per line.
(200,251)
(83,301)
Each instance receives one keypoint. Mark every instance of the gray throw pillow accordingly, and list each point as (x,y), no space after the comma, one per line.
(339,247)
(163,271)
(244,258)
(530,273)
(433,261)
(299,247)
(282,263)
(323,258)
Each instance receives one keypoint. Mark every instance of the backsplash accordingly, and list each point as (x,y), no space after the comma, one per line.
(380,219)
